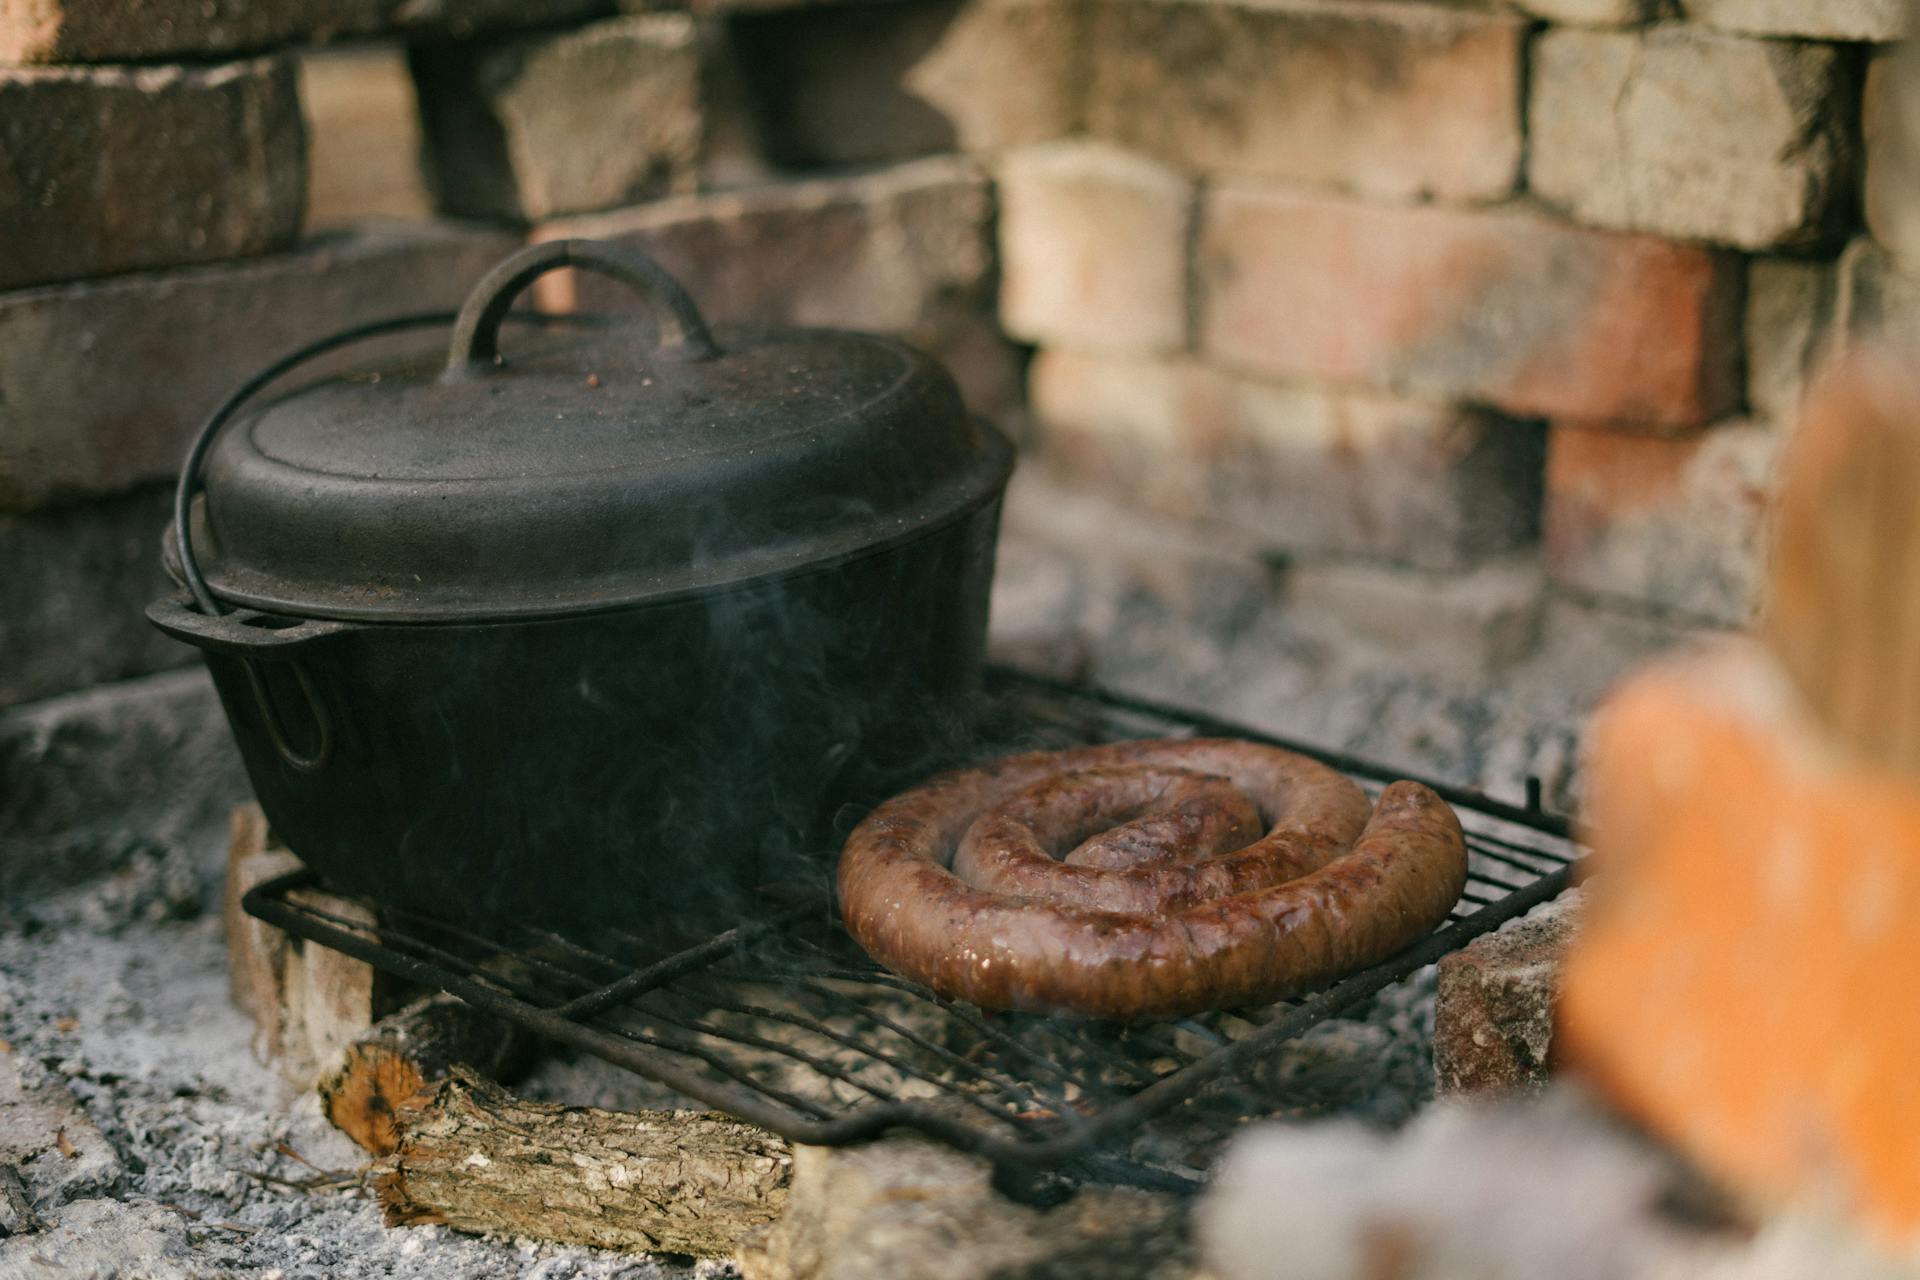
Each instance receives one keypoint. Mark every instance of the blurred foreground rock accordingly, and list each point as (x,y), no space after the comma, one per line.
(1546,1186)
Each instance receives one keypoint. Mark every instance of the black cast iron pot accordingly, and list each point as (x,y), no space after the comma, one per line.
(600,633)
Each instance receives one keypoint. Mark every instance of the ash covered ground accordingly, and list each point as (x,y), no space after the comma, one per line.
(118,991)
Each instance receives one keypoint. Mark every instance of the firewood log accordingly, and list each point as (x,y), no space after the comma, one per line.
(376,1075)
(471,1155)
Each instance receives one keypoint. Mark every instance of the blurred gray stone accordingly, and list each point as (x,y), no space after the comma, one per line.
(1515,1191)
(1873,299)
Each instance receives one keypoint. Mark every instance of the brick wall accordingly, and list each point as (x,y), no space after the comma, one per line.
(1411,291)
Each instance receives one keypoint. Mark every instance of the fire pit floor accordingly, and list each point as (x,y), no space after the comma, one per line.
(783,1022)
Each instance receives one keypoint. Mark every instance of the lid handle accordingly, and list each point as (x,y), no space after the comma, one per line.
(476,331)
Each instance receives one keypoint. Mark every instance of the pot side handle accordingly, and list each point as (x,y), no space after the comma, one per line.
(254,638)
(475,348)
(244,633)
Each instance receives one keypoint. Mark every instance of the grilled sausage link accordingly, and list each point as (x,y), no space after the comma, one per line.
(1146,879)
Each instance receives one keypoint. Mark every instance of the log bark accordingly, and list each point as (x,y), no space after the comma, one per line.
(375,1077)
(476,1158)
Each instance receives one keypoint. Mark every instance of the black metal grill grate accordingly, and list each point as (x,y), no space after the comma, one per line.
(784,1022)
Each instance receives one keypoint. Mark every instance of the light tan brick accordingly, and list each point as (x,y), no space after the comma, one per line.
(534,127)
(854,84)
(1297,470)
(1093,249)
(1502,306)
(176,342)
(115,30)
(1815,19)
(1396,100)
(363,137)
(1691,134)
(108,169)
(1673,524)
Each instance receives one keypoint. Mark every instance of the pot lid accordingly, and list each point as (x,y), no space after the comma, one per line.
(607,464)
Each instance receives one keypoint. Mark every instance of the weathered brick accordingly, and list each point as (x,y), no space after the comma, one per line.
(533,127)
(1789,311)
(1691,134)
(1393,100)
(856,84)
(178,341)
(1674,524)
(363,137)
(1890,125)
(106,169)
(1298,470)
(113,30)
(1493,1011)
(1816,19)
(1503,306)
(74,595)
(1093,249)
(905,251)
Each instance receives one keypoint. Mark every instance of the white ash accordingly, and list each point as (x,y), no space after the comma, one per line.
(127,1004)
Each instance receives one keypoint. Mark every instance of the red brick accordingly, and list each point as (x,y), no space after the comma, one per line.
(176,342)
(1501,306)
(1093,249)
(108,169)
(1675,524)
(860,83)
(115,30)
(1384,99)
(1293,469)
(534,127)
